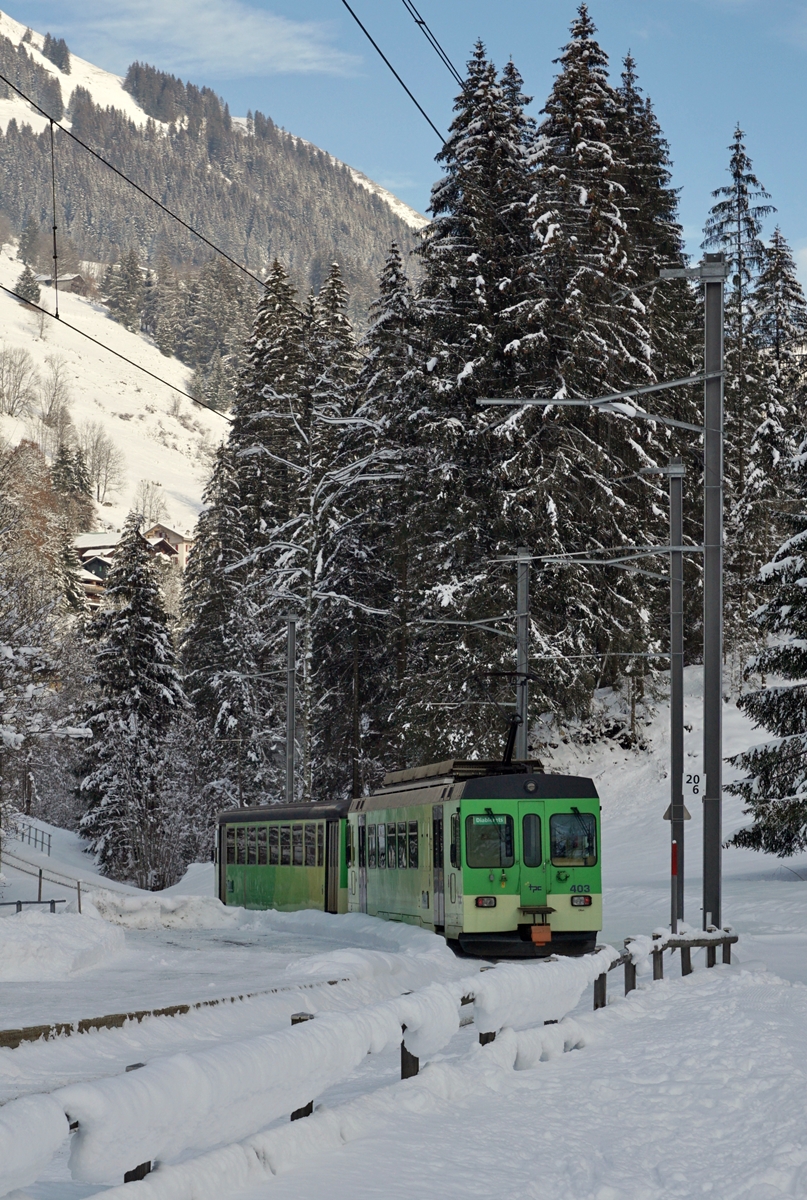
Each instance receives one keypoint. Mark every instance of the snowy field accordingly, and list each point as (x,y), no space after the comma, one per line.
(688,1087)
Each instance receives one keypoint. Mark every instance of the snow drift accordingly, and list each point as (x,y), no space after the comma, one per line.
(194,1102)
(159,911)
(41,945)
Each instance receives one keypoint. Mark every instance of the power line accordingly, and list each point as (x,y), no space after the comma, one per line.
(381,53)
(117,353)
(433,42)
(136,186)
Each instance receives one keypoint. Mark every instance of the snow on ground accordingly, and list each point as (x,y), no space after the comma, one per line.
(687,1087)
(38,945)
(162,436)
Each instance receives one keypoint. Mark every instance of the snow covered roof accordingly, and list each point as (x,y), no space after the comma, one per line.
(96,541)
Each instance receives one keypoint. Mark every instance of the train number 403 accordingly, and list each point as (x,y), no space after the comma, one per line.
(580,887)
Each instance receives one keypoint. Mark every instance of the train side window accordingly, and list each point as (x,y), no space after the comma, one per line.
(531,839)
(349,857)
(402,844)
(274,831)
(413,843)
(573,839)
(261,845)
(285,845)
(489,840)
(320,843)
(252,845)
(392,854)
(382,845)
(230,844)
(310,845)
(296,845)
(455,853)
(241,843)
(371,846)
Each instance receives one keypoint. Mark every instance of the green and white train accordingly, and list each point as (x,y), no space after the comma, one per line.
(503,860)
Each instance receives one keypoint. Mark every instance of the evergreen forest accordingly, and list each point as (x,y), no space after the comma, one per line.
(364,488)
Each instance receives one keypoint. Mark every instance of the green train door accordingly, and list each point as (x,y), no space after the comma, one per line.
(531,818)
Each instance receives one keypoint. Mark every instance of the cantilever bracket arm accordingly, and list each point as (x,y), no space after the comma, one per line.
(612,398)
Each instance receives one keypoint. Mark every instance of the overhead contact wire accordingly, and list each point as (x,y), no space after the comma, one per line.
(131,182)
(381,53)
(117,353)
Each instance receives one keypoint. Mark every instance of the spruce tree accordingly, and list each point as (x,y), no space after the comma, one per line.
(385,437)
(735,226)
(223,652)
(27,286)
(138,696)
(775,784)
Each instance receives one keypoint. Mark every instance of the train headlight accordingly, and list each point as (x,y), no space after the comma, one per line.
(581,901)
(486,902)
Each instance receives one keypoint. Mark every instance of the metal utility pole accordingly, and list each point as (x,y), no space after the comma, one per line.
(523,651)
(713,273)
(676,473)
(291,703)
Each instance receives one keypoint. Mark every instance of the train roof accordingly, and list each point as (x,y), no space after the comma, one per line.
(286,812)
(475,779)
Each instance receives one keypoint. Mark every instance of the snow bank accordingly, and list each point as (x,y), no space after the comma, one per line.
(38,946)
(515,995)
(253,1161)
(31,1131)
(191,1102)
(159,911)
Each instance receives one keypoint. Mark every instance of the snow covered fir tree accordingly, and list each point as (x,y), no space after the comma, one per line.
(363,489)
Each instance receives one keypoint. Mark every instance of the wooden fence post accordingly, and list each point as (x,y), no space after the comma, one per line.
(630,975)
(711,955)
(485,1038)
(600,992)
(297,1019)
(410,1065)
(78,894)
(727,952)
(686,960)
(658,964)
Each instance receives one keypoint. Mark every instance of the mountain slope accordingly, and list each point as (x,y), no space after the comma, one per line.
(253,189)
(162,437)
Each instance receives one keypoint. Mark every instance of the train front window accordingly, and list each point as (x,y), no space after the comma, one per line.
(531,840)
(382,845)
(573,838)
(285,845)
(310,845)
(371,846)
(489,840)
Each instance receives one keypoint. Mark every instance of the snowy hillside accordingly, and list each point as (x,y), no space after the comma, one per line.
(163,438)
(107,91)
(105,88)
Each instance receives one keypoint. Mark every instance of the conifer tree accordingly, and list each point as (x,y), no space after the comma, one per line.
(223,651)
(27,286)
(383,443)
(775,785)
(139,694)
(734,225)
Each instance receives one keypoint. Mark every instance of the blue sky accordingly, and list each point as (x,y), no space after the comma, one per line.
(705,63)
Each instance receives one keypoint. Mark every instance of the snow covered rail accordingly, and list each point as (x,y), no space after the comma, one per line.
(191,1103)
(638,949)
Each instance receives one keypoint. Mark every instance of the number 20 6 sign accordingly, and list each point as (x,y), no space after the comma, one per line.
(693,784)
